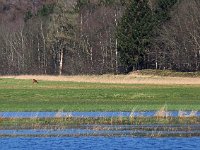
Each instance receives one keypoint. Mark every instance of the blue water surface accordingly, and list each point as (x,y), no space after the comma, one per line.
(99,143)
(84,114)
(75,132)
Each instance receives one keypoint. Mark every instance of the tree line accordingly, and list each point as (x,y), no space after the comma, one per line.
(103,36)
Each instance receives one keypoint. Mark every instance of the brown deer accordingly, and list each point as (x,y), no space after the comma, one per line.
(34,81)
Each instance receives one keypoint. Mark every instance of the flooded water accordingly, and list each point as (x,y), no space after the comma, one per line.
(99,143)
(100,136)
(85,114)
(91,132)
(148,130)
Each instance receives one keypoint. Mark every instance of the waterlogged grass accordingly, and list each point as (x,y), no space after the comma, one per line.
(79,122)
(22,95)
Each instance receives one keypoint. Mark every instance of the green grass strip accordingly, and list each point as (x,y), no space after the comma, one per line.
(22,95)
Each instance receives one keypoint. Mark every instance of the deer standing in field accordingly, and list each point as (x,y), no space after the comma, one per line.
(34,81)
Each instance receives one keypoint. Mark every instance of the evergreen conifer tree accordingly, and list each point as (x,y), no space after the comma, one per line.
(163,8)
(134,34)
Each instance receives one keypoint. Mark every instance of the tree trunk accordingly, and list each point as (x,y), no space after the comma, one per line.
(61,62)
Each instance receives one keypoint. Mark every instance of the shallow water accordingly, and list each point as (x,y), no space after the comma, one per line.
(83,114)
(93,132)
(99,143)
(148,130)
(100,137)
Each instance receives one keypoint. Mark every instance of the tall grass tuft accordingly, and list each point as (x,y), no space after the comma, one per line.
(111,121)
(69,115)
(131,116)
(181,114)
(59,113)
(120,118)
(162,113)
(193,113)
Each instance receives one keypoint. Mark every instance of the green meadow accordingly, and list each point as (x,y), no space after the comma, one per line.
(22,95)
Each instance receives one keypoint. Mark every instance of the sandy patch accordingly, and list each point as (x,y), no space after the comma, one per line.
(133,78)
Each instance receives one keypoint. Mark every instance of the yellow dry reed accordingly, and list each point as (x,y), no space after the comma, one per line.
(132,78)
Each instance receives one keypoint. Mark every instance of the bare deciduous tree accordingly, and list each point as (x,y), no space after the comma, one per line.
(178,44)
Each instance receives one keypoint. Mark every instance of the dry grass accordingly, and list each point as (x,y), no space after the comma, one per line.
(132,78)
(162,113)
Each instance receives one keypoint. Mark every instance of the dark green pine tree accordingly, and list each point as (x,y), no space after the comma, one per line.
(134,34)
(163,9)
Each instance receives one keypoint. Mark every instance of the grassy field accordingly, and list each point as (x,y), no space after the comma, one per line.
(22,95)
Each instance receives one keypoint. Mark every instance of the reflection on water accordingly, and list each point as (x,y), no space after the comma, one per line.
(86,114)
(100,143)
